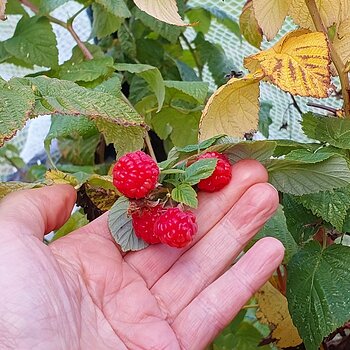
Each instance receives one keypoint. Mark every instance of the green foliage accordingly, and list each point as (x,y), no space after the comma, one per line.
(317,291)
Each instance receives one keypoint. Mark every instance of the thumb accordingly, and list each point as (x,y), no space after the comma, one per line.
(37,211)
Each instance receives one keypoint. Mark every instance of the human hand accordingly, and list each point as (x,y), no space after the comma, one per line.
(80,292)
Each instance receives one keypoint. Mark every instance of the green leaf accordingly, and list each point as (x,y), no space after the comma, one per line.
(77,220)
(318,291)
(286,146)
(302,224)
(13,7)
(305,156)
(48,6)
(69,126)
(111,86)
(151,75)
(199,170)
(214,55)
(125,139)
(105,23)
(199,147)
(187,73)
(295,177)
(34,42)
(264,118)
(121,228)
(87,70)
(167,31)
(201,16)
(277,227)
(184,193)
(196,89)
(335,131)
(117,7)
(15,108)
(331,206)
(127,41)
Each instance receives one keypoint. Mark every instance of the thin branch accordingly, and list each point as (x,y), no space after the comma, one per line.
(194,55)
(149,147)
(325,108)
(338,63)
(295,104)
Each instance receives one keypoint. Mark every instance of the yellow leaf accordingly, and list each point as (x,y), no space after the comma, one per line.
(298,63)
(270,15)
(344,10)
(273,310)
(249,25)
(233,109)
(59,177)
(329,11)
(164,10)
(341,40)
(13,186)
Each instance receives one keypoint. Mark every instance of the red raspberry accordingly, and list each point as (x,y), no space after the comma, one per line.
(176,227)
(143,222)
(135,174)
(221,175)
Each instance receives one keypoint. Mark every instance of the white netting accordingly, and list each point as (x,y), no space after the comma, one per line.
(30,140)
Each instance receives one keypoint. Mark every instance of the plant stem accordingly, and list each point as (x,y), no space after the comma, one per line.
(149,147)
(338,63)
(295,104)
(68,26)
(194,55)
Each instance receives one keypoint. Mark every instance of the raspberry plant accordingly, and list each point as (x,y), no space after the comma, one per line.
(140,86)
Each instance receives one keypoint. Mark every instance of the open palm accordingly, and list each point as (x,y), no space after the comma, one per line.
(81,292)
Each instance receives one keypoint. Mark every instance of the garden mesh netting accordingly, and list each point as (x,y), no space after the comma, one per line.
(284,115)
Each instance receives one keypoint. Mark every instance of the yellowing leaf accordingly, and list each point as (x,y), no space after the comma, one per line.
(273,310)
(164,10)
(329,11)
(298,63)
(233,109)
(342,40)
(270,15)
(249,25)
(2,9)
(59,177)
(344,10)
(13,186)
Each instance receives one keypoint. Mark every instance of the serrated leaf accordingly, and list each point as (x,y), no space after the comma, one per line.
(116,7)
(102,198)
(151,75)
(87,70)
(13,186)
(335,131)
(163,10)
(196,89)
(105,23)
(273,310)
(15,108)
(184,193)
(331,206)
(34,42)
(342,40)
(167,31)
(277,227)
(298,178)
(270,15)
(120,225)
(76,220)
(298,63)
(201,16)
(13,7)
(49,5)
(318,297)
(201,146)
(305,156)
(238,95)
(249,25)
(199,170)
(329,11)
(301,223)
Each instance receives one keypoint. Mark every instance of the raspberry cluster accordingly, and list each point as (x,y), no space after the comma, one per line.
(136,174)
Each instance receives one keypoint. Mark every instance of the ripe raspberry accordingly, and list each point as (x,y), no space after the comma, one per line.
(221,175)
(135,174)
(176,227)
(143,222)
